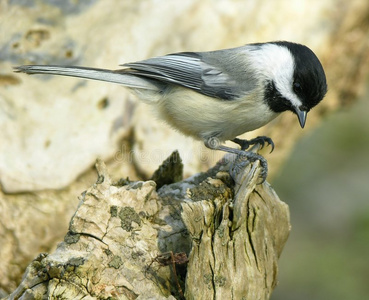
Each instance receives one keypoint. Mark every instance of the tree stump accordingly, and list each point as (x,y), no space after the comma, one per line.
(205,237)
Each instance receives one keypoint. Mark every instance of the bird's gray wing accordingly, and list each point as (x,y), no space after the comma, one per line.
(215,74)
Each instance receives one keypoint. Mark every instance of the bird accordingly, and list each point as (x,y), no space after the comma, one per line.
(215,96)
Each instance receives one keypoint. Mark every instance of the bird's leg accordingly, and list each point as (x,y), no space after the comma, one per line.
(262,140)
(243,157)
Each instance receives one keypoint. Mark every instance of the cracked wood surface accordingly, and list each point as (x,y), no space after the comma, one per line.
(237,243)
(120,232)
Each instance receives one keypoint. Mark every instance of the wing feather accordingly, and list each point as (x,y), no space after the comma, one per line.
(218,75)
(178,68)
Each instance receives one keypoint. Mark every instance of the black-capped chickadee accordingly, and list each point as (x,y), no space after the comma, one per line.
(217,95)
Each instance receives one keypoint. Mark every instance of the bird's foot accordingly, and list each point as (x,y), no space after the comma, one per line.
(261,140)
(243,159)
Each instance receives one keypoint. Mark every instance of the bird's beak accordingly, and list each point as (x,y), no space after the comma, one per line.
(301,114)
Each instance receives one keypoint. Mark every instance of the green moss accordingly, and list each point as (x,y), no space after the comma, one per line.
(128,215)
(71,238)
(114,211)
(116,262)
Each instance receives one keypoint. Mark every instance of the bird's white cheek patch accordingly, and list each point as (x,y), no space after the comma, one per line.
(279,64)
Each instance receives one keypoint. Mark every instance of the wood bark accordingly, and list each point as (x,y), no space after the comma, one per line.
(131,240)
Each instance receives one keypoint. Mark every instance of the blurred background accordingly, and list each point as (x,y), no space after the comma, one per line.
(53,129)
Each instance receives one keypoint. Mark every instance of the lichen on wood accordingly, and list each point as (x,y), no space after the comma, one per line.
(206,235)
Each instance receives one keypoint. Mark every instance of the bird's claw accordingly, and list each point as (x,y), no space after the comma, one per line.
(261,140)
(244,159)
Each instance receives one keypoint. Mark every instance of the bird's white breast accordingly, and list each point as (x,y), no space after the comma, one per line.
(203,117)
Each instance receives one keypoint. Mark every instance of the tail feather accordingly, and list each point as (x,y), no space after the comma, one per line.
(120,77)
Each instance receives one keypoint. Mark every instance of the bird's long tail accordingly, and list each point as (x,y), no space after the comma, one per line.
(119,76)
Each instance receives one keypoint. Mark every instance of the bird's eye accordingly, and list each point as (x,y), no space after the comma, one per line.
(297,87)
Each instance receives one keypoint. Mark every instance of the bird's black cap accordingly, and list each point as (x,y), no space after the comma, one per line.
(309,76)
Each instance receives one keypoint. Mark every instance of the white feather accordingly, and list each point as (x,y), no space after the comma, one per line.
(203,117)
(276,63)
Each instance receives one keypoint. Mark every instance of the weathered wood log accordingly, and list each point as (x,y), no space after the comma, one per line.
(236,243)
(130,240)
